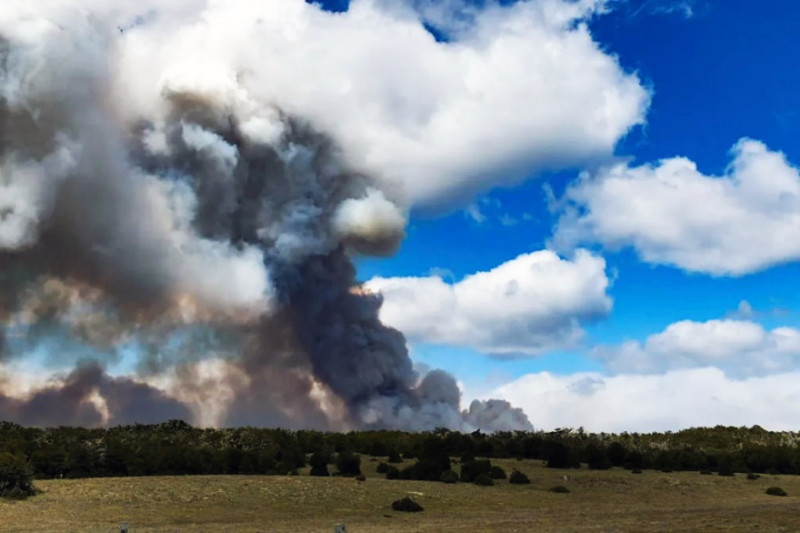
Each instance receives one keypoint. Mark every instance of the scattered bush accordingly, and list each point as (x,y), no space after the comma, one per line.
(497,473)
(725,468)
(776,491)
(558,455)
(16,477)
(705,472)
(348,464)
(382,468)
(472,469)
(518,478)
(751,476)
(559,489)
(393,472)
(484,480)
(319,464)
(395,458)
(636,471)
(448,476)
(406,505)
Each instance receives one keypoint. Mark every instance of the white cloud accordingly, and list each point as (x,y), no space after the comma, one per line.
(672,401)
(742,222)
(521,88)
(739,347)
(526,306)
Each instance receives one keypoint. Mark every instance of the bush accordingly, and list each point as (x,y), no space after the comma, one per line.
(557,455)
(518,478)
(472,469)
(395,458)
(484,480)
(751,476)
(776,491)
(361,477)
(348,464)
(382,468)
(497,473)
(636,471)
(393,472)
(705,472)
(406,505)
(319,464)
(16,477)
(559,489)
(448,476)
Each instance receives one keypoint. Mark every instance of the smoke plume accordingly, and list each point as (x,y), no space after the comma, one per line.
(182,198)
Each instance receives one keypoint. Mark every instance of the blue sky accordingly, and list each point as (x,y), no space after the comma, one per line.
(718,71)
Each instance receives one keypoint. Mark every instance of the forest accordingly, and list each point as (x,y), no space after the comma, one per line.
(176,448)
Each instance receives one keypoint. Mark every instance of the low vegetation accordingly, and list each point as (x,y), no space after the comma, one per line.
(16,477)
(518,478)
(406,505)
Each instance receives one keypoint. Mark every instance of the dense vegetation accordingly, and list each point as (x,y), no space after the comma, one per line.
(176,448)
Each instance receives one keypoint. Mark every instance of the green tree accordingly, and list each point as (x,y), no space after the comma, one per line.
(16,476)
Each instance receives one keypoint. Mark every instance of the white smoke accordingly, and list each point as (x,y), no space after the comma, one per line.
(205,170)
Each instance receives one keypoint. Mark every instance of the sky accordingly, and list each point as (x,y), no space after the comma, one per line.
(587,208)
(695,216)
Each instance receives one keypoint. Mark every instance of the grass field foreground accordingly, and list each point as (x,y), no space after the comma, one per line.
(613,500)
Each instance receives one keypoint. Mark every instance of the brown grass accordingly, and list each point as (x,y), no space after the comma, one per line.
(612,500)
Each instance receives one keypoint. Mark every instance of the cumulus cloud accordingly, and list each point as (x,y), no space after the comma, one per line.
(519,88)
(741,222)
(739,347)
(527,306)
(672,401)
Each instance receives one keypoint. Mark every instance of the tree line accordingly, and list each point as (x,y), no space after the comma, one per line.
(176,448)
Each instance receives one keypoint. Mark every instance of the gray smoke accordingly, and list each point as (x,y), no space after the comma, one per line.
(209,241)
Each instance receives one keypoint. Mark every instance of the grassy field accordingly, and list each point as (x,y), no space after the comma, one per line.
(614,500)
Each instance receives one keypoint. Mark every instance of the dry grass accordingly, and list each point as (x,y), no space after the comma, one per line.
(612,500)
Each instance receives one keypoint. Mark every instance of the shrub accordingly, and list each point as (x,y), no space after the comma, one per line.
(557,456)
(472,469)
(319,464)
(776,491)
(484,480)
(725,468)
(393,472)
(751,476)
(395,458)
(348,464)
(518,478)
(616,453)
(361,477)
(559,489)
(16,477)
(448,476)
(382,468)
(497,473)
(406,505)
(705,472)
(636,471)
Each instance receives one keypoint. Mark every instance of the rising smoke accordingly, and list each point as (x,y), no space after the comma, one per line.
(174,218)
(184,186)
